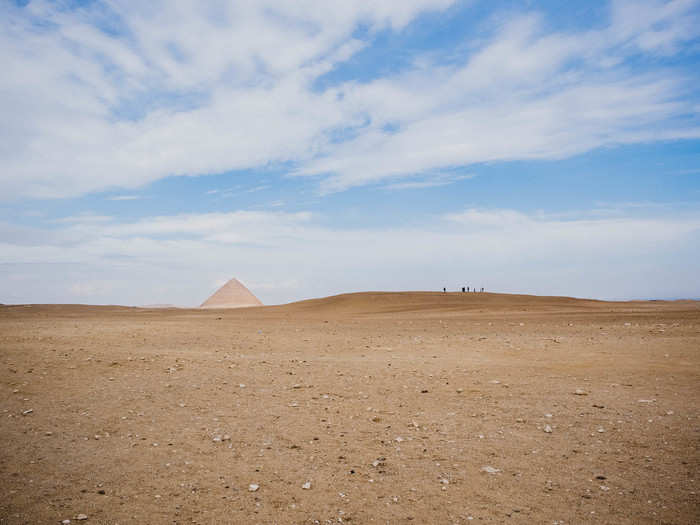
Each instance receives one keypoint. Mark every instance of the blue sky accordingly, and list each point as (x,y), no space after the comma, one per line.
(150,152)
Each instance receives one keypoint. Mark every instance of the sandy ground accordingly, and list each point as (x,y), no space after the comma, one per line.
(396,408)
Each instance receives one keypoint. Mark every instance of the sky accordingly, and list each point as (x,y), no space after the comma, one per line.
(153,150)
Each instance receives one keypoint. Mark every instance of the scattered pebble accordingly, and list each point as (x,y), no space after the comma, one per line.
(81,517)
(306,486)
(253,487)
(580,392)
(28,411)
(548,429)
(490,470)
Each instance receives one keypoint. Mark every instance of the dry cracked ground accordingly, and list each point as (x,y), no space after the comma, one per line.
(362,408)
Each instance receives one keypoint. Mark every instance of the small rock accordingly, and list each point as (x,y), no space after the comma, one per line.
(253,487)
(306,486)
(81,517)
(490,470)
(65,522)
(28,411)
(398,439)
(580,392)
(548,429)
(601,430)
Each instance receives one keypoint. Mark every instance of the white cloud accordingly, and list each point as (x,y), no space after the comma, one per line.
(525,94)
(290,256)
(126,198)
(191,88)
(432,182)
(77,100)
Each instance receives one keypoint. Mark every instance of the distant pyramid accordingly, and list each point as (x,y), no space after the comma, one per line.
(232,295)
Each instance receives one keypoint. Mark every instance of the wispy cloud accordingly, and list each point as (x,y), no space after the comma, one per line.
(126,198)
(434,182)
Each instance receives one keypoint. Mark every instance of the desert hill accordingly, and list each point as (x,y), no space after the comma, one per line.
(456,304)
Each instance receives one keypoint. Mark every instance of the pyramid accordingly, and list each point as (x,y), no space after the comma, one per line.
(231,295)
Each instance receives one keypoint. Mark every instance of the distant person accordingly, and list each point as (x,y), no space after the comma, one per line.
(467,289)
(462,288)
(482,288)
(444,290)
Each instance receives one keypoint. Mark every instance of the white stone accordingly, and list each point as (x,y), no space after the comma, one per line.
(306,486)
(490,470)
(253,487)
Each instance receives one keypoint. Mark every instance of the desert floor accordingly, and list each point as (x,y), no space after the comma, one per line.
(396,408)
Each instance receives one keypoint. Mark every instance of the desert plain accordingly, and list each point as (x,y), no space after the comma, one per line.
(361,408)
